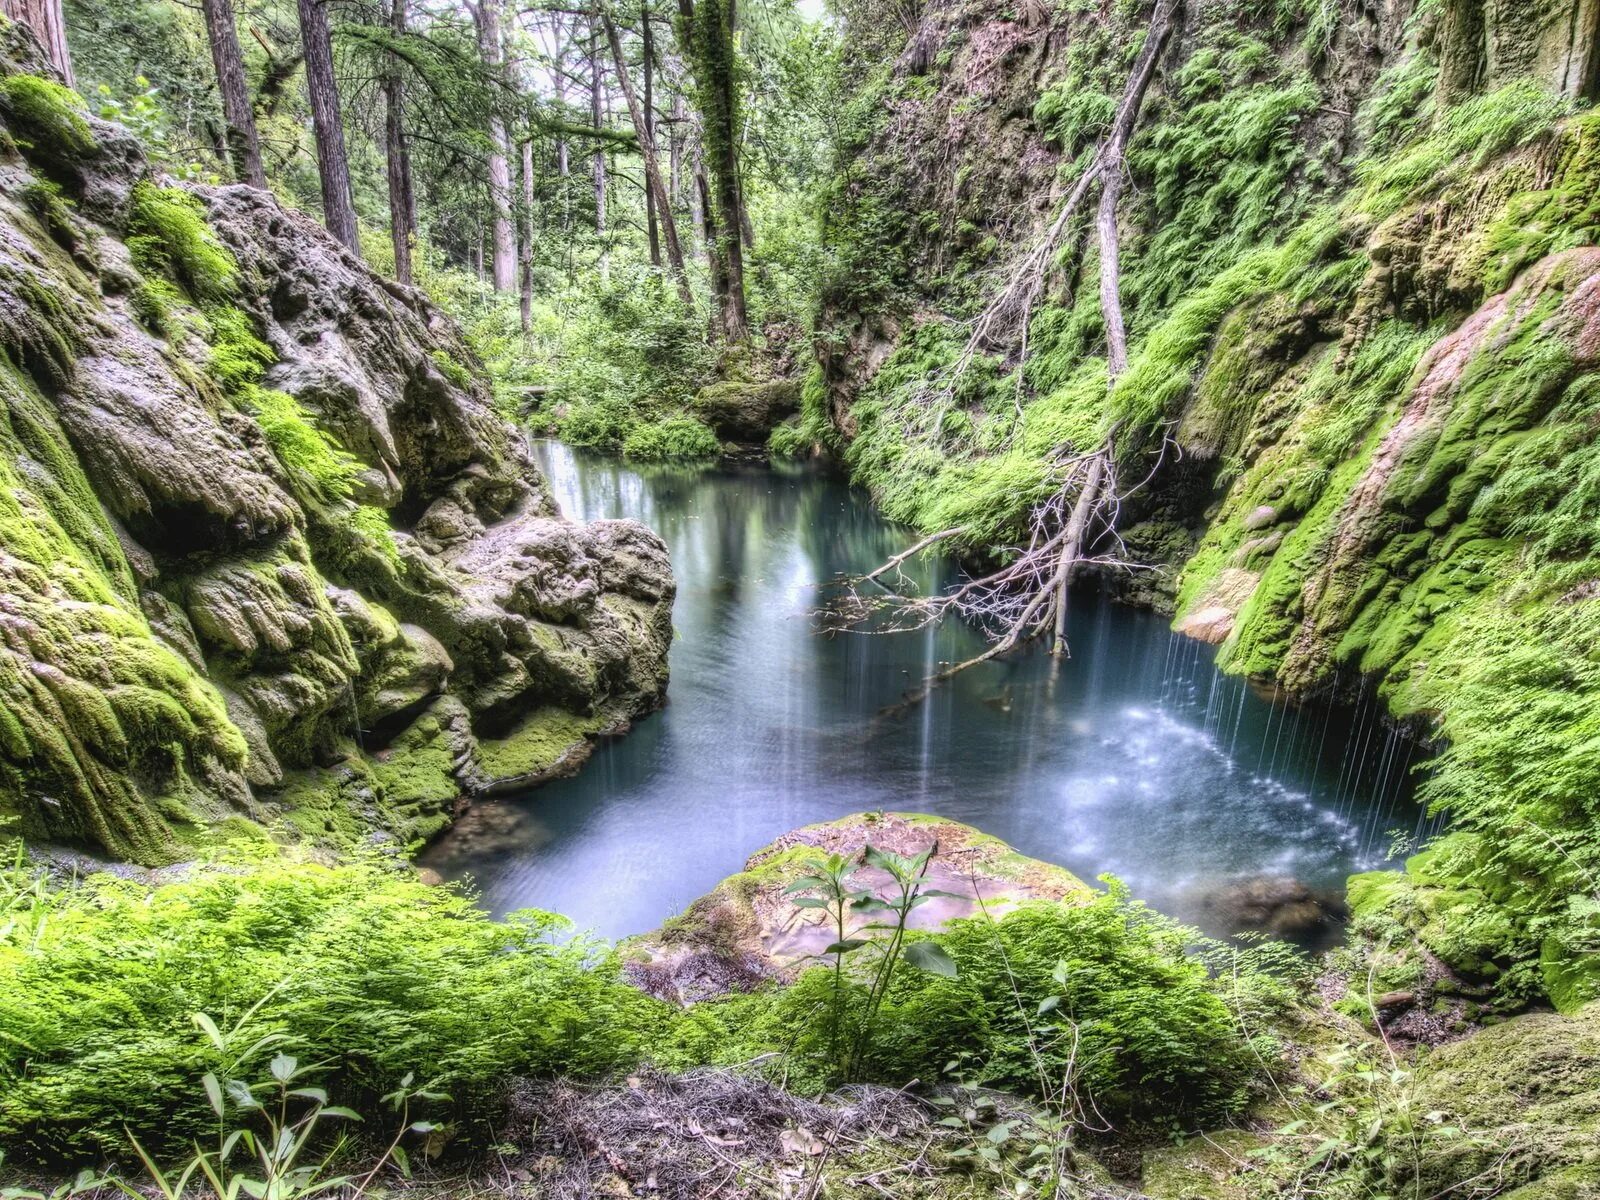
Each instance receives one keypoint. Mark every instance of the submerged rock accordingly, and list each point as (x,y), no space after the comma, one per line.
(267,548)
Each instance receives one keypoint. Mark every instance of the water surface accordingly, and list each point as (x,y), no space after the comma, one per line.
(1136,757)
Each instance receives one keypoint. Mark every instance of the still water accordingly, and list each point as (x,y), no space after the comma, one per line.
(1136,757)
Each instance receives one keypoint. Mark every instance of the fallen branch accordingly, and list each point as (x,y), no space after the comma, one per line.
(1029,594)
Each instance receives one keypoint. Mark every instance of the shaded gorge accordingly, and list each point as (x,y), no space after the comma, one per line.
(1137,757)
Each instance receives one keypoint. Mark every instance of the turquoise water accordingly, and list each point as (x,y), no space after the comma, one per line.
(1135,757)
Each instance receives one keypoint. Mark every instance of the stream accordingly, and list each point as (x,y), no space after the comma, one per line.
(1136,757)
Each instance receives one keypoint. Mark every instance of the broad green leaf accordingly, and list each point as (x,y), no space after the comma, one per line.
(931,957)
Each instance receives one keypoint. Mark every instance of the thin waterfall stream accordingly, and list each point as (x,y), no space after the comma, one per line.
(1212,799)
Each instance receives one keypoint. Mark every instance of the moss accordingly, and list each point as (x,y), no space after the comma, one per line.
(318,468)
(47,117)
(451,369)
(108,731)
(168,235)
(47,202)
(537,744)
(417,776)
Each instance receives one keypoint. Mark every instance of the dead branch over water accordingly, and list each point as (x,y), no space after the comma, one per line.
(1028,596)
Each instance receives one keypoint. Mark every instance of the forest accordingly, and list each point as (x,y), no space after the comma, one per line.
(799,598)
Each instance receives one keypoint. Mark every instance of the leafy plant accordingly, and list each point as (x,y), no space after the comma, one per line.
(850,1033)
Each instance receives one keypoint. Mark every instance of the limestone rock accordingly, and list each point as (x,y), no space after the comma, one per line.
(264,539)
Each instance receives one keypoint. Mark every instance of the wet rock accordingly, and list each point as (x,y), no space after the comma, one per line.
(1280,905)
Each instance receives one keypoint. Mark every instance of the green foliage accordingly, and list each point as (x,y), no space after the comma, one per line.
(168,235)
(359,967)
(1104,994)
(1463,140)
(619,356)
(855,1001)
(670,438)
(47,115)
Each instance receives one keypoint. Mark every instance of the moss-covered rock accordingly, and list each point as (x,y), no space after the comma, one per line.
(745,411)
(267,547)
(748,929)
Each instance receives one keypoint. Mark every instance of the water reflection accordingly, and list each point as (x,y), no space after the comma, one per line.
(1137,757)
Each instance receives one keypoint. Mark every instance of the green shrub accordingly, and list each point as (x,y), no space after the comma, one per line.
(362,968)
(1154,1039)
(1157,1039)
(674,437)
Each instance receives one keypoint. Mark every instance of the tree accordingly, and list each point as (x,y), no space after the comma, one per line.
(597,117)
(45,18)
(244,150)
(656,187)
(397,156)
(333,163)
(486,16)
(705,32)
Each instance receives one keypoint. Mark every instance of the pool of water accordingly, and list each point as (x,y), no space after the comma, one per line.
(1135,757)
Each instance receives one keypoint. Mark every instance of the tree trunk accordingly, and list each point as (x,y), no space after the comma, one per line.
(526,309)
(333,166)
(49,25)
(651,225)
(708,38)
(563,165)
(486,16)
(675,155)
(402,210)
(719,274)
(596,117)
(1112,165)
(244,150)
(654,184)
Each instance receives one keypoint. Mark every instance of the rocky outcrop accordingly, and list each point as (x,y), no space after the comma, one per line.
(267,548)
(749,929)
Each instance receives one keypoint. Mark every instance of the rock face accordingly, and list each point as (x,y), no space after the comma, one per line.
(1362,292)
(266,547)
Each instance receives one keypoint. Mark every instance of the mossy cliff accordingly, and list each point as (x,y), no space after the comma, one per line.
(266,548)
(1363,295)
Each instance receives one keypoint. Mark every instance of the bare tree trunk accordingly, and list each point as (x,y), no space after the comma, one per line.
(675,155)
(486,16)
(49,25)
(244,150)
(650,205)
(652,164)
(527,238)
(1112,158)
(597,116)
(695,186)
(563,165)
(719,274)
(402,215)
(333,165)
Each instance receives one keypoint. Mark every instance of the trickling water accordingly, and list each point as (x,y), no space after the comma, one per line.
(1135,757)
